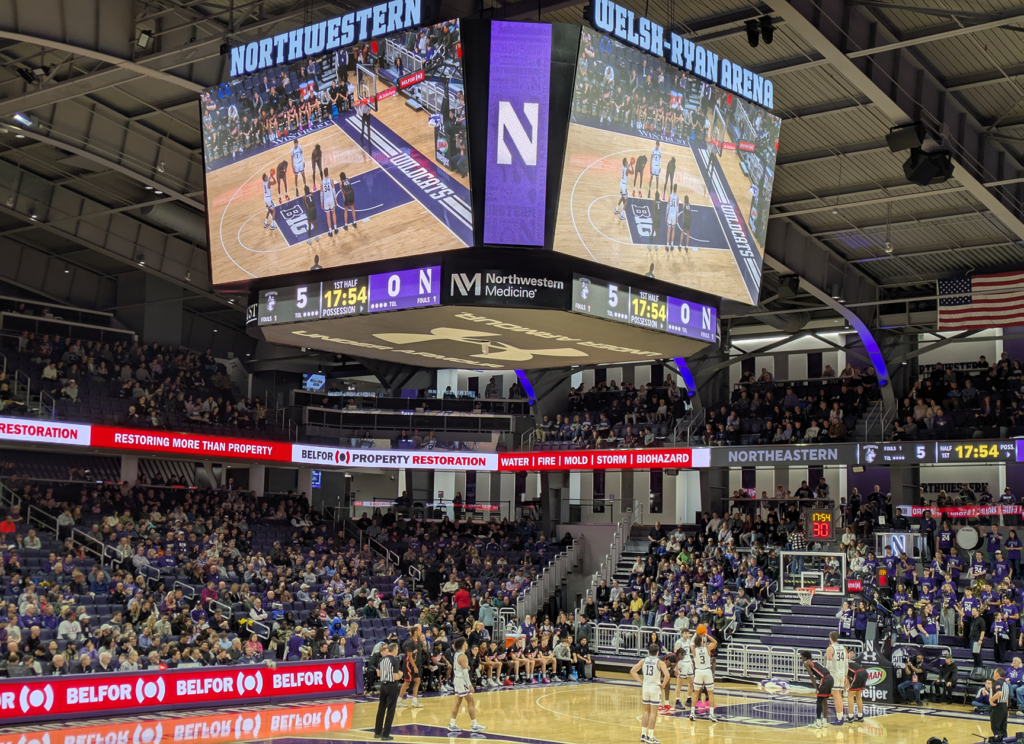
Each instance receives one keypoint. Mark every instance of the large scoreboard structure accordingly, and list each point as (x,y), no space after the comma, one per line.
(487,194)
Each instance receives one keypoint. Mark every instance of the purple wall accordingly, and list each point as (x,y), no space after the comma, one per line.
(865,482)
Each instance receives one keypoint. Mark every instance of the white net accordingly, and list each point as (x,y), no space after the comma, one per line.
(805,595)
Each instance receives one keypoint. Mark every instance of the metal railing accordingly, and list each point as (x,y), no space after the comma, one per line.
(606,570)
(696,425)
(550,579)
(92,545)
(755,662)
(47,405)
(187,590)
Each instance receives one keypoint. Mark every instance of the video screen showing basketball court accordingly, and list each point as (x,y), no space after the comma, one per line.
(665,175)
(355,155)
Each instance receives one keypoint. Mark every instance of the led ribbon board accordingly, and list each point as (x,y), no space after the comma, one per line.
(325,36)
(644,34)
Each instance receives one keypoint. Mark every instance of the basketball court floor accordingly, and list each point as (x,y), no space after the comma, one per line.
(602,712)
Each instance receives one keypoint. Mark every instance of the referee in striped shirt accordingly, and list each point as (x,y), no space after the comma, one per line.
(390,675)
(998,701)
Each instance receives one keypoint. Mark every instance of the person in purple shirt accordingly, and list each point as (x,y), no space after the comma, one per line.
(993,541)
(990,601)
(1011,613)
(889,561)
(900,600)
(1015,678)
(978,566)
(955,566)
(1013,547)
(969,603)
(871,564)
(1001,636)
(906,568)
(946,537)
(1007,497)
(1000,568)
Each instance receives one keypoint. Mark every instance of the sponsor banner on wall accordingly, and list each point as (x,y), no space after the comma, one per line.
(607,460)
(97,695)
(797,454)
(170,443)
(213,729)
(392,459)
(962,512)
(45,432)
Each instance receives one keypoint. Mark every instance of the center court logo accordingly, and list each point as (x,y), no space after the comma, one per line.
(490,345)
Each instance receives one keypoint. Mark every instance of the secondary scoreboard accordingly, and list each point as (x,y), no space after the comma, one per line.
(360,295)
(654,310)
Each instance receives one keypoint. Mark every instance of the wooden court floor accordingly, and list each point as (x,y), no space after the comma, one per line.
(603,712)
(589,228)
(243,249)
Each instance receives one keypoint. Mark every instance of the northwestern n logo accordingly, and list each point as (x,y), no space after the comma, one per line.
(508,121)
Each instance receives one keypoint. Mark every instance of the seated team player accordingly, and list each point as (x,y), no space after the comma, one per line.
(823,683)
(583,658)
(519,665)
(491,665)
(532,654)
(565,659)
(547,659)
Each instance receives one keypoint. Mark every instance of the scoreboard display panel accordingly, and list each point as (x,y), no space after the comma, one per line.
(360,295)
(659,312)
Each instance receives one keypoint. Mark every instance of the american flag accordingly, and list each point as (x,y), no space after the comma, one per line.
(985,301)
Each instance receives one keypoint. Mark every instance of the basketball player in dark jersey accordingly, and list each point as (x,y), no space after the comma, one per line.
(317,159)
(670,174)
(638,172)
(309,202)
(858,677)
(823,682)
(348,202)
(282,178)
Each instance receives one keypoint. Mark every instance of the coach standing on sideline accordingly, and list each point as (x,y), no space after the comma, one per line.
(998,701)
(390,675)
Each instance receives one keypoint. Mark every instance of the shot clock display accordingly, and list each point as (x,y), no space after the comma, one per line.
(360,295)
(625,304)
(821,525)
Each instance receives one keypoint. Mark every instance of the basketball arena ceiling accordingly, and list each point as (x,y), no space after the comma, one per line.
(118,129)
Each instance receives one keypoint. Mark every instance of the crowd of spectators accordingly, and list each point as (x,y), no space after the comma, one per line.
(763,412)
(199,577)
(692,576)
(135,385)
(608,416)
(980,400)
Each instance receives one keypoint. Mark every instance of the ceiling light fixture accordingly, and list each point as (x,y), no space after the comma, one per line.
(188,276)
(149,188)
(141,259)
(35,216)
(24,120)
(160,166)
(10,201)
(144,38)
(19,136)
(753,33)
(767,29)
(158,192)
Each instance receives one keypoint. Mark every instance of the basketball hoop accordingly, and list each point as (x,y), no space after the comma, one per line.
(806,594)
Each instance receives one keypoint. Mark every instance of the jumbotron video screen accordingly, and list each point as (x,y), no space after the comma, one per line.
(355,155)
(665,175)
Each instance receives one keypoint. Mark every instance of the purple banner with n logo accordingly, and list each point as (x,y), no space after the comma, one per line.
(517,133)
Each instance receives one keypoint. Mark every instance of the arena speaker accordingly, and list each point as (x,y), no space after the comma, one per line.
(926,168)
(905,138)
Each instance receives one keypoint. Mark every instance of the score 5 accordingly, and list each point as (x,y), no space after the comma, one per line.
(301,297)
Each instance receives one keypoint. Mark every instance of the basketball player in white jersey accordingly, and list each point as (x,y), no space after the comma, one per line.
(655,673)
(463,688)
(684,667)
(836,662)
(703,675)
(268,201)
(298,165)
(655,169)
(671,219)
(623,189)
(328,201)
